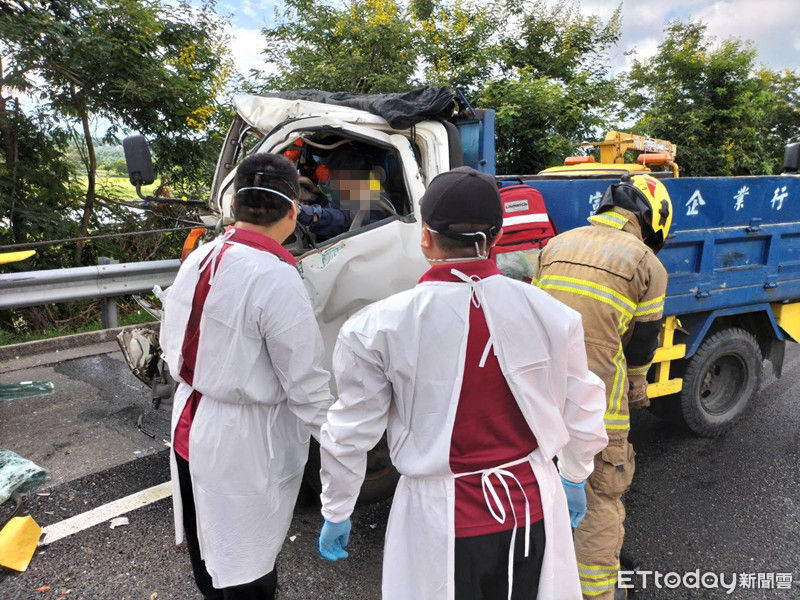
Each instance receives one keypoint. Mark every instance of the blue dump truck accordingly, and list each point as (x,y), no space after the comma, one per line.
(733,258)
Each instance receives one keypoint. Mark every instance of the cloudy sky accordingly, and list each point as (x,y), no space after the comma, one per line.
(769,24)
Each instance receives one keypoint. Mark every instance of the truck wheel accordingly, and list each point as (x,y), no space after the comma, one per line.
(380,479)
(719,381)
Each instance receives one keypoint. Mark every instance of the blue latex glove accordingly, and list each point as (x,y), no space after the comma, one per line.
(332,540)
(576,501)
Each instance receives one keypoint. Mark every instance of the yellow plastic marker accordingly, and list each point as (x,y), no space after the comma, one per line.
(18,541)
(9,257)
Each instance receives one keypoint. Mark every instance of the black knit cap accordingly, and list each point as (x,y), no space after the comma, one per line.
(462,195)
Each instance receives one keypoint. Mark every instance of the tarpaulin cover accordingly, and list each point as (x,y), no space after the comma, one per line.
(17,473)
(401,110)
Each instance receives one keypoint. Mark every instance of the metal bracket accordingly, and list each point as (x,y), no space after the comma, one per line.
(755,225)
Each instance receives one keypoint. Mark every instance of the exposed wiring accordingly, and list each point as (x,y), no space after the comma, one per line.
(98,237)
(150,210)
(325,146)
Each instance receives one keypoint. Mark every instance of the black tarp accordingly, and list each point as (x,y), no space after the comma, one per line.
(401,110)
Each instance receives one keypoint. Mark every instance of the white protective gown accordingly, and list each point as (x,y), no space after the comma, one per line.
(398,365)
(263,394)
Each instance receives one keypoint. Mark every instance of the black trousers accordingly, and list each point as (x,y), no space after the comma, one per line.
(481,565)
(262,588)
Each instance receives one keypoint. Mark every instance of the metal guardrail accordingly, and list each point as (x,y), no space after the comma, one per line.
(34,288)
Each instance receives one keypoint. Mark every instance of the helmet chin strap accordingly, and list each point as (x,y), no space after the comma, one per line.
(480,254)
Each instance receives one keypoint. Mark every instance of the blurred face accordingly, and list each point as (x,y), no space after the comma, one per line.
(355,189)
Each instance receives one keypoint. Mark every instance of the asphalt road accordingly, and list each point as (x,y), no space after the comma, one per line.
(730,505)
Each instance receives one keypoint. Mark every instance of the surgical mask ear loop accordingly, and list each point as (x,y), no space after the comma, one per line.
(484,253)
(479,254)
(276,192)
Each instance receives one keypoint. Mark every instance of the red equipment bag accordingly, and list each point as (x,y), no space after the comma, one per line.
(526,224)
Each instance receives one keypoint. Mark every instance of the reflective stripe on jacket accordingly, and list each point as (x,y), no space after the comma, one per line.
(607,273)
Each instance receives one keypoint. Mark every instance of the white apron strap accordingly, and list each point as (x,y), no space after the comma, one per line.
(211,257)
(476,302)
(498,511)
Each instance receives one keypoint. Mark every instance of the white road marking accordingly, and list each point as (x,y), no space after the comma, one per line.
(56,531)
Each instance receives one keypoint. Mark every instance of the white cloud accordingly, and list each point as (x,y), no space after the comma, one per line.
(247,47)
(640,50)
(247,8)
(769,24)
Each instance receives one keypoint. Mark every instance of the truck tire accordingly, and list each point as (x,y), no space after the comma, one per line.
(720,379)
(379,482)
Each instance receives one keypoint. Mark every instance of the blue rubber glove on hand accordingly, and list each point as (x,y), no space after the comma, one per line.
(576,501)
(333,538)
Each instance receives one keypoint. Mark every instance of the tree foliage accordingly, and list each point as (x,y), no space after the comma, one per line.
(365,46)
(38,185)
(727,116)
(542,68)
(144,65)
(554,90)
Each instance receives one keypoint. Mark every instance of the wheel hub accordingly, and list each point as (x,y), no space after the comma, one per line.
(723,383)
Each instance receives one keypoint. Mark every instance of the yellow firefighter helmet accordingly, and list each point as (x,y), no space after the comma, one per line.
(647,198)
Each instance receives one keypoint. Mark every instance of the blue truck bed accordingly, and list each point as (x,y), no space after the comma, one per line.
(735,241)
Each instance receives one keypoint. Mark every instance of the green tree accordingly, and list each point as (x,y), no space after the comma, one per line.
(553,89)
(149,66)
(542,68)
(782,120)
(366,46)
(458,43)
(38,185)
(727,117)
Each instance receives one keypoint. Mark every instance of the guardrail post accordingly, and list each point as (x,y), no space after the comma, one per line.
(110,315)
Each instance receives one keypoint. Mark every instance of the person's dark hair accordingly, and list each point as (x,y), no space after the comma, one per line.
(462,247)
(349,158)
(269,171)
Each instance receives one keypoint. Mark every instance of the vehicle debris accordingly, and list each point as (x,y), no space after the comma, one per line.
(119,522)
(25,389)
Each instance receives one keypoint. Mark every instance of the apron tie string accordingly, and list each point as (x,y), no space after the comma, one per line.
(272,417)
(471,280)
(498,511)
(211,257)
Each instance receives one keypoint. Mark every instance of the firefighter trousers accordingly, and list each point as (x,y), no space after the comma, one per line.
(598,538)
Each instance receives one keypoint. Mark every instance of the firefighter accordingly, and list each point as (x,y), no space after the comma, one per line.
(608,271)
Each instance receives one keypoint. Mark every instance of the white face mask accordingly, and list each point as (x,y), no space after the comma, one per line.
(480,254)
(276,192)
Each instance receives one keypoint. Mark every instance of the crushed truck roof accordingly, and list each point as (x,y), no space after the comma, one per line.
(399,111)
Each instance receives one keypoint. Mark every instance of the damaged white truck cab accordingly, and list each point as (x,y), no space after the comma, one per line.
(369,262)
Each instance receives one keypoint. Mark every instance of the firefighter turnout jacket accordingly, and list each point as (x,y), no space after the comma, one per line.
(608,274)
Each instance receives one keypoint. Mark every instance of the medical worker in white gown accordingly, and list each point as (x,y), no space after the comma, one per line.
(240,335)
(480,381)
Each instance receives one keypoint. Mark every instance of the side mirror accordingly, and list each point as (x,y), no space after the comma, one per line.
(791,158)
(138,161)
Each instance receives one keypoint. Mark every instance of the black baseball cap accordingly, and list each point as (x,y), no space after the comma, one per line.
(462,195)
